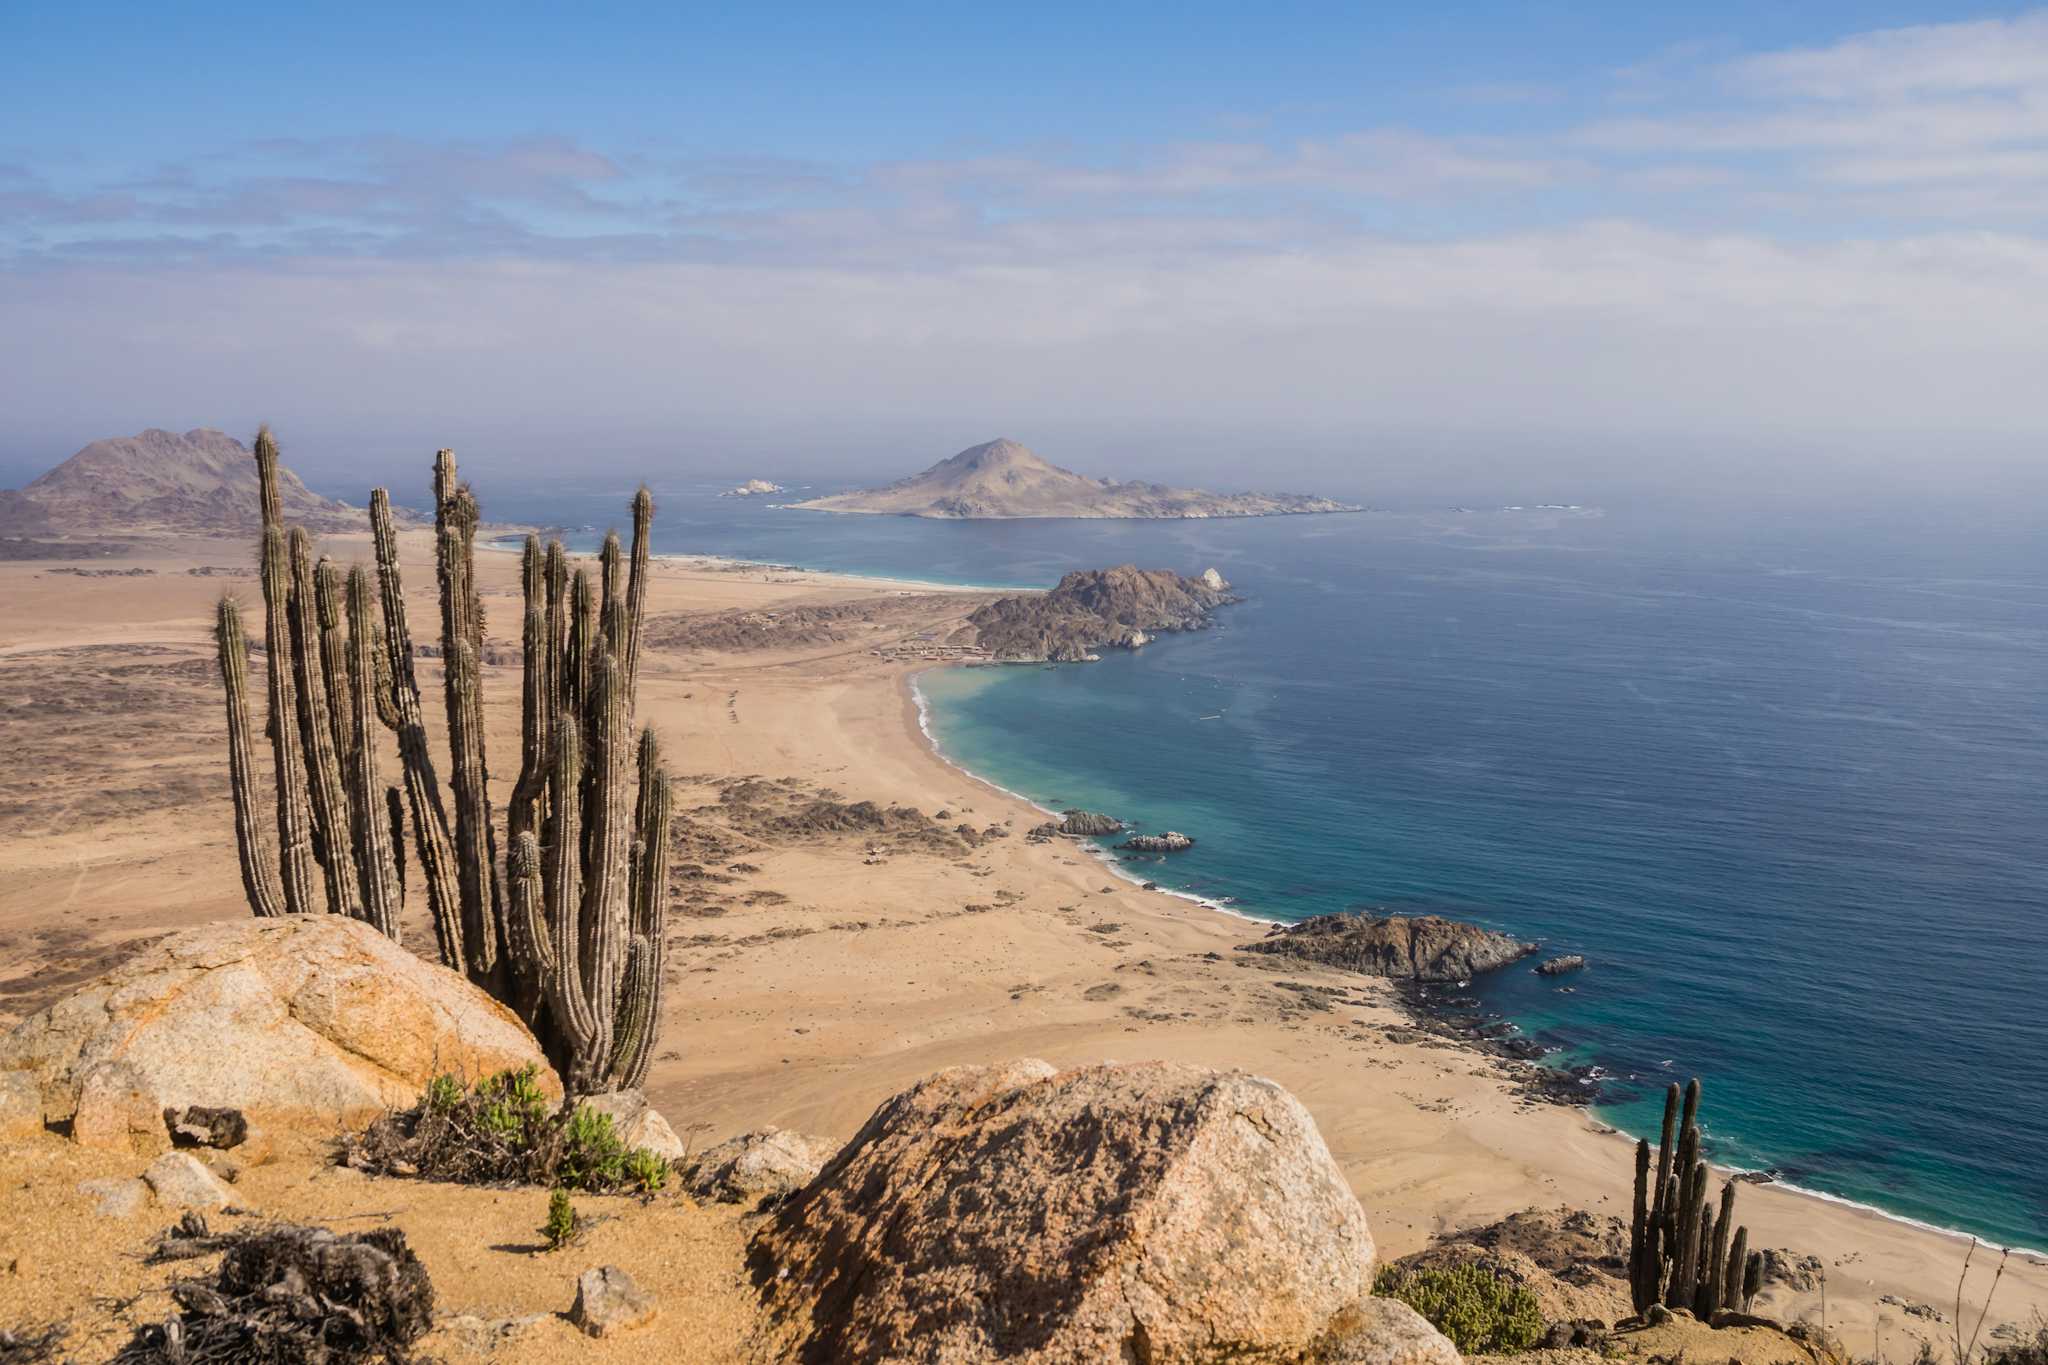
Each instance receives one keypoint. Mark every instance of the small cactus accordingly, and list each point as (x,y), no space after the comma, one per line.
(560,1227)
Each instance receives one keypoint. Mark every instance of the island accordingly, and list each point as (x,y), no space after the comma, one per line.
(1002,480)
(752,488)
(1092,609)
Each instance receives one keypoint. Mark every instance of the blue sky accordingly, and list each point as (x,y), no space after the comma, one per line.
(1333,225)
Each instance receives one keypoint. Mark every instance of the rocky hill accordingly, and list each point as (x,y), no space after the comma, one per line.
(204,480)
(1096,608)
(1002,479)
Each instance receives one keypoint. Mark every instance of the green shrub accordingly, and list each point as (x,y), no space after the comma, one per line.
(1480,1312)
(561,1224)
(645,1171)
(593,1158)
(442,1094)
(504,1131)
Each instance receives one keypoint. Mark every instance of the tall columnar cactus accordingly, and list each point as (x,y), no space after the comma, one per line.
(333,842)
(1731,1275)
(259,876)
(476,852)
(422,787)
(636,589)
(372,805)
(570,930)
(294,816)
(1681,1254)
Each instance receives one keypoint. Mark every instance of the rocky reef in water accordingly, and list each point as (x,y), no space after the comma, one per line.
(1094,609)
(1173,841)
(1085,822)
(1406,948)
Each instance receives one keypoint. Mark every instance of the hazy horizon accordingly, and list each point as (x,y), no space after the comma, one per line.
(1363,252)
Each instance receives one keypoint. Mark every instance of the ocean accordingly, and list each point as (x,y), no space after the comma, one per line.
(1782,777)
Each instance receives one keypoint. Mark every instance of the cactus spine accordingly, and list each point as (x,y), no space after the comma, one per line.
(569,931)
(1680,1253)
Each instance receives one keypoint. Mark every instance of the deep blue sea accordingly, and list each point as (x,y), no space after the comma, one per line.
(1782,777)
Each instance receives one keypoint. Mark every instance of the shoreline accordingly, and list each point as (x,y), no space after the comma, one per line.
(819,971)
(1452,1023)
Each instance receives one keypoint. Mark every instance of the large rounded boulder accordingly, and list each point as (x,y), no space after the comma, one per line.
(1153,1213)
(300,1021)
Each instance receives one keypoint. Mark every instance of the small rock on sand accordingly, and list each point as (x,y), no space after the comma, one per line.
(608,1301)
(181,1182)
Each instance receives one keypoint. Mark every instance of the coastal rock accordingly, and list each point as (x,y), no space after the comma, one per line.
(1558,966)
(1173,841)
(637,1123)
(759,1166)
(1088,823)
(305,1020)
(1413,948)
(752,488)
(1214,582)
(1090,609)
(1800,1274)
(1156,1212)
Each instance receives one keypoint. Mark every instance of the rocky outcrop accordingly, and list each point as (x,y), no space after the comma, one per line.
(1558,966)
(1001,479)
(758,1167)
(1088,823)
(1410,948)
(1574,1262)
(1155,1212)
(1094,609)
(752,488)
(1173,841)
(308,1021)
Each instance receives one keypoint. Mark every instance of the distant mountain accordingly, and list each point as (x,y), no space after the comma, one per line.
(1003,479)
(204,480)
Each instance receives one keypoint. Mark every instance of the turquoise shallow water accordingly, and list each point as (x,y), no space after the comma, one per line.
(1784,782)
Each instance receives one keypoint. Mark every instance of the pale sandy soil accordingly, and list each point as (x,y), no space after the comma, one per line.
(805,991)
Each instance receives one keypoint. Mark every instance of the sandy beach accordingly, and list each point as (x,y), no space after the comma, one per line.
(823,953)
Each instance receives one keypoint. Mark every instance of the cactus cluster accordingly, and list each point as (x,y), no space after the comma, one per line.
(568,928)
(1681,1253)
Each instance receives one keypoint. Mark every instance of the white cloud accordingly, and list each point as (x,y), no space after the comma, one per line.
(1979,56)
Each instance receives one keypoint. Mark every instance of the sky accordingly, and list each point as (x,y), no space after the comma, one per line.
(1405,245)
